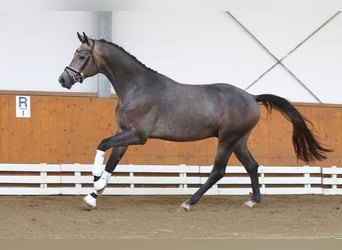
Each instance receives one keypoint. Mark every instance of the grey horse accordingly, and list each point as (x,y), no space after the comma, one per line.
(151,105)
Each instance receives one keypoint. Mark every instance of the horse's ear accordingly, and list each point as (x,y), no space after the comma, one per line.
(81,37)
(86,40)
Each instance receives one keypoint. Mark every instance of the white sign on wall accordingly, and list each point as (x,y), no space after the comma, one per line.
(23,106)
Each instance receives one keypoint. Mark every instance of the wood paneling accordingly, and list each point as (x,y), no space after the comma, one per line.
(68,128)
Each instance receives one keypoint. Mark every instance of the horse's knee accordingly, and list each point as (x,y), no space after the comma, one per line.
(218,174)
(252,169)
(104,145)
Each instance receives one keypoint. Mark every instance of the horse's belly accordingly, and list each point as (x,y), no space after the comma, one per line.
(184,131)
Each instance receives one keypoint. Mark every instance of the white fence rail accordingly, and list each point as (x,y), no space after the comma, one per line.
(333,181)
(76,179)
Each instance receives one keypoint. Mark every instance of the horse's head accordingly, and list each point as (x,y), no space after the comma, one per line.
(83,64)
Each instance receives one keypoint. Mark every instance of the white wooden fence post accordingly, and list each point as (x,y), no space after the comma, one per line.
(334,176)
(262,178)
(183,174)
(307,184)
(43,174)
(131,174)
(77,175)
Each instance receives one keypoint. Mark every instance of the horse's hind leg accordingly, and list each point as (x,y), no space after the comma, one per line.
(101,174)
(223,153)
(245,157)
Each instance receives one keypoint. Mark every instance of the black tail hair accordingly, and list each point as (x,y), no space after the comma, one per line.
(306,145)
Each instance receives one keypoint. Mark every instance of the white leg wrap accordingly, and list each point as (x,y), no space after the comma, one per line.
(89,202)
(101,184)
(98,163)
(106,175)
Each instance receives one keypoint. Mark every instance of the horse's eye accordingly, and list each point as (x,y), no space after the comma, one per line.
(81,57)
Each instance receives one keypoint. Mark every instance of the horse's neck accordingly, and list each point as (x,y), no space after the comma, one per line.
(124,71)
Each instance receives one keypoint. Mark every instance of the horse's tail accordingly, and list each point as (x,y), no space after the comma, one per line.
(306,146)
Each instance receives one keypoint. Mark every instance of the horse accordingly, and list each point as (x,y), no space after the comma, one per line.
(151,105)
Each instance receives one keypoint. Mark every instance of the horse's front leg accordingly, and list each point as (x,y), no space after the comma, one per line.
(101,174)
(101,178)
(119,142)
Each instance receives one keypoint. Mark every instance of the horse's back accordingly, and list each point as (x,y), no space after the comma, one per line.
(201,111)
(216,98)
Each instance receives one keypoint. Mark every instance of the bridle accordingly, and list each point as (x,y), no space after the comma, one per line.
(78,75)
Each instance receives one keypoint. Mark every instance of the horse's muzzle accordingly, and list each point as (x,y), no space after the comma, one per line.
(66,80)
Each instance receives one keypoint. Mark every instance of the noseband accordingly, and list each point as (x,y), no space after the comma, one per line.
(78,74)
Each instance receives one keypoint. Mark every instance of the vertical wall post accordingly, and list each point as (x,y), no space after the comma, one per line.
(105,32)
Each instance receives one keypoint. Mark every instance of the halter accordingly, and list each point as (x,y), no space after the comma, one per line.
(78,75)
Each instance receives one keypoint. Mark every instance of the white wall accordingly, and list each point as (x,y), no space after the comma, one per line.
(37,45)
(188,46)
(207,47)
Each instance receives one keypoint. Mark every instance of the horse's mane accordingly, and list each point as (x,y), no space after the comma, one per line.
(130,55)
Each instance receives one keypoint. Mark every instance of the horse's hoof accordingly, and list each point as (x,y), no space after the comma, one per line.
(100,185)
(250,203)
(89,202)
(185,207)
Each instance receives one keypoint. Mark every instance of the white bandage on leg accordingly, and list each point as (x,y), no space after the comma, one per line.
(106,175)
(99,157)
(98,163)
(97,170)
(101,184)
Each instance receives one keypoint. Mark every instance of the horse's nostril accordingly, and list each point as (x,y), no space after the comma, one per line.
(61,80)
